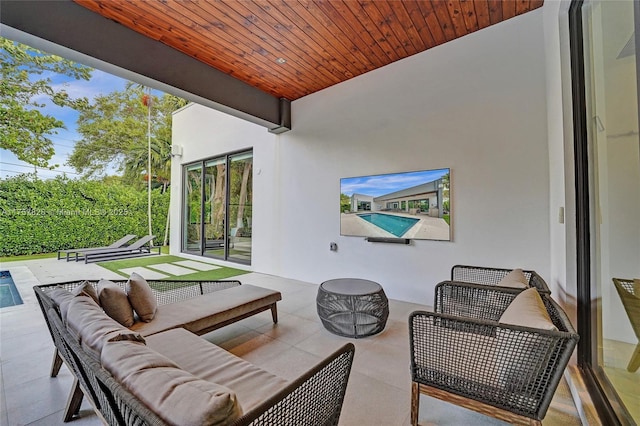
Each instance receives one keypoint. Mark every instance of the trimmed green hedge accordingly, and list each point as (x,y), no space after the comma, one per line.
(43,216)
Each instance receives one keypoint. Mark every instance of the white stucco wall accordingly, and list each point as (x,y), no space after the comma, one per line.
(205,133)
(476,105)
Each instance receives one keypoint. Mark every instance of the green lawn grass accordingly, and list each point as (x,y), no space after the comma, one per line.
(216,274)
(28,257)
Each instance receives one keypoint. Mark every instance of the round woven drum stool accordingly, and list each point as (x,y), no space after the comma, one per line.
(352,307)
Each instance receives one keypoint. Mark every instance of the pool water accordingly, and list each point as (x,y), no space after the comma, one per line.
(9,295)
(397,225)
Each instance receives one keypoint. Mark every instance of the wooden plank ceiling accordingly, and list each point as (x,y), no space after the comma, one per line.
(292,48)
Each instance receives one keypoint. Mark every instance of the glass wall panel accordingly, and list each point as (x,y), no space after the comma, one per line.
(240,207)
(215,195)
(614,194)
(192,213)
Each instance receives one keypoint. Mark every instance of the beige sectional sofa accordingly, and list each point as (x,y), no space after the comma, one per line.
(159,371)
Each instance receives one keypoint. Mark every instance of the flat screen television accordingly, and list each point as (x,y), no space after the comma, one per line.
(408,205)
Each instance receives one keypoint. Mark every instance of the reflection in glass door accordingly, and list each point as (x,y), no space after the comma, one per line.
(192,225)
(217,207)
(614,197)
(240,206)
(215,194)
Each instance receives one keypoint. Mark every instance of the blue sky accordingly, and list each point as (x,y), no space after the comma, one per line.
(384,184)
(101,83)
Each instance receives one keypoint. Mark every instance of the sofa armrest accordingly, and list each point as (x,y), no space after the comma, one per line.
(477,301)
(315,398)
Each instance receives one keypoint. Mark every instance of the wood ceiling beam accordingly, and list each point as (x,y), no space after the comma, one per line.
(121,51)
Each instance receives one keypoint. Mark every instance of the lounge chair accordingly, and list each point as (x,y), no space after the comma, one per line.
(630,296)
(79,253)
(137,249)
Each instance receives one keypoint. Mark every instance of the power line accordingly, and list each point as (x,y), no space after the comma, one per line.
(40,168)
(12,171)
(63,145)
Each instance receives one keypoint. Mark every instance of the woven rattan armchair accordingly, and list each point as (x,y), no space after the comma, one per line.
(631,302)
(463,355)
(492,276)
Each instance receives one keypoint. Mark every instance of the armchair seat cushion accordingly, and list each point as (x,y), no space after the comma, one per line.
(251,384)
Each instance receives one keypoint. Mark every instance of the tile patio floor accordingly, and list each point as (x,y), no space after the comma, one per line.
(379,386)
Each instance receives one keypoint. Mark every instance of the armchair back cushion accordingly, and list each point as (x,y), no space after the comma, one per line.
(528,310)
(514,279)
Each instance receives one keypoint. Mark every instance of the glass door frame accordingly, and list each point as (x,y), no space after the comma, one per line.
(202,163)
(605,398)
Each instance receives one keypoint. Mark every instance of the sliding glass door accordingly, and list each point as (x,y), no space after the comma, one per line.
(608,182)
(217,208)
(215,195)
(192,207)
(240,211)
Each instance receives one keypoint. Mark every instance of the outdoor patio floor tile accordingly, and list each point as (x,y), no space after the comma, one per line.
(378,393)
(172,269)
(199,266)
(146,273)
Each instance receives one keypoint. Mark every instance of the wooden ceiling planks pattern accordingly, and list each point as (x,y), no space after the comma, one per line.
(323,42)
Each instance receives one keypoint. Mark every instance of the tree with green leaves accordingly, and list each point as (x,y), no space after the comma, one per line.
(114,131)
(25,87)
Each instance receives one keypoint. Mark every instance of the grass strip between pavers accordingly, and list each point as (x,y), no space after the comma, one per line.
(216,274)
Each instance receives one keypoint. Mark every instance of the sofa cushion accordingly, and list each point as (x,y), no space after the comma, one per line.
(61,298)
(514,279)
(636,287)
(203,312)
(175,395)
(141,297)
(528,310)
(85,288)
(115,302)
(91,326)
(59,295)
(251,384)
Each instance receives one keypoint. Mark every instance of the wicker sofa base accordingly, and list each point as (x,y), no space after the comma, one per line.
(487,410)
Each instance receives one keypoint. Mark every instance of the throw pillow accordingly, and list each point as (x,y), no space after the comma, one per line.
(528,310)
(514,279)
(86,289)
(115,302)
(141,297)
